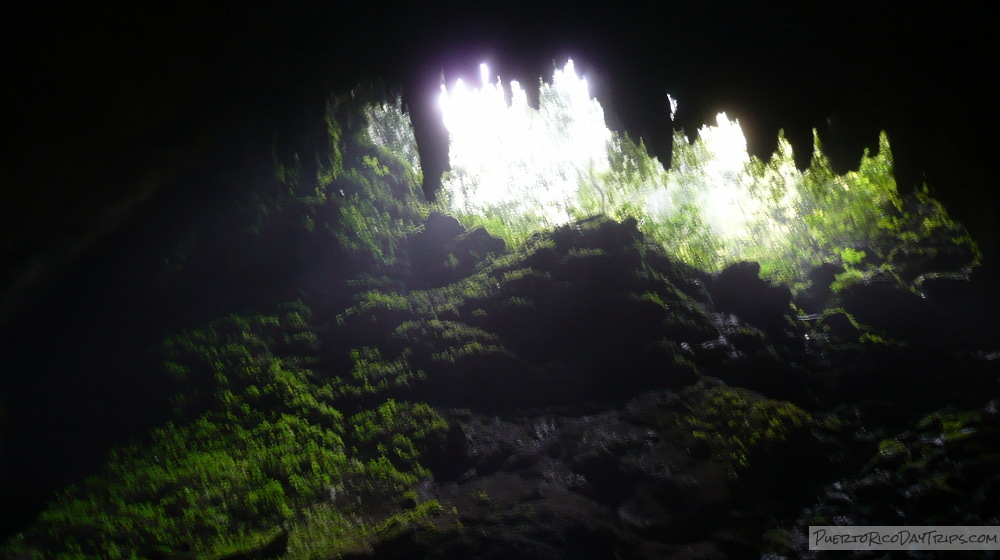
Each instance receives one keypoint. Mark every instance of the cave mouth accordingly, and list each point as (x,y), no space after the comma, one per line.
(516,169)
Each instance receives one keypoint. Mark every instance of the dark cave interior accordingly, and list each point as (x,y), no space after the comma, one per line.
(132,123)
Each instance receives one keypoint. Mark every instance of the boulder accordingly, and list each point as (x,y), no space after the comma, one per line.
(814,298)
(739,290)
(839,326)
(468,249)
(445,252)
(885,304)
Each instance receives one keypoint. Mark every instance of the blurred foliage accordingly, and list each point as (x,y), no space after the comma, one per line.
(324,531)
(367,197)
(320,225)
(717,205)
(794,221)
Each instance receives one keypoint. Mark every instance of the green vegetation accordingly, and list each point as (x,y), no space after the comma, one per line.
(714,206)
(952,426)
(945,458)
(740,426)
(792,221)
(258,444)
(367,197)
(213,487)
(258,447)
(352,205)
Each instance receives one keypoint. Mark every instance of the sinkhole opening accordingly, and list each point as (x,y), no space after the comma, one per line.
(517,169)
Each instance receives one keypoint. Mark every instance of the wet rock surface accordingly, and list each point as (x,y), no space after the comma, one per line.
(565,482)
(942,471)
(765,421)
(739,289)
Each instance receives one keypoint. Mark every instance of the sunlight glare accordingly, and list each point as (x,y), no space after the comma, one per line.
(518,157)
(511,160)
(726,201)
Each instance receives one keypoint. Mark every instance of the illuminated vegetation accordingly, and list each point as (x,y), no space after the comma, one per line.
(714,206)
(257,445)
(365,195)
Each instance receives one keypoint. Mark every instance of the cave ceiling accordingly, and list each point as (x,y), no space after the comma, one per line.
(115,105)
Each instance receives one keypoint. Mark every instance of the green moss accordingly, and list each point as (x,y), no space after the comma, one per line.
(585,252)
(454,354)
(325,532)
(872,338)
(435,333)
(654,298)
(482,498)
(949,421)
(890,451)
(232,366)
(836,423)
(849,277)
(256,445)
(423,520)
(741,426)
(371,373)
(393,419)
(952,426)
(212,487)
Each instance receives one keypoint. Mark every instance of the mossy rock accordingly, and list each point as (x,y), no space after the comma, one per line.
(742,427)
(890,453)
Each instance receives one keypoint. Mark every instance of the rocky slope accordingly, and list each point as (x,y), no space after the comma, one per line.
(583,396)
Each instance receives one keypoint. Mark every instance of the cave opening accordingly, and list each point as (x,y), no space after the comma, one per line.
(236,329)
(349,386)
(516,169)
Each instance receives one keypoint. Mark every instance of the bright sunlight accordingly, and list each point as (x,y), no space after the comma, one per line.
(518,169)
(519,158)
